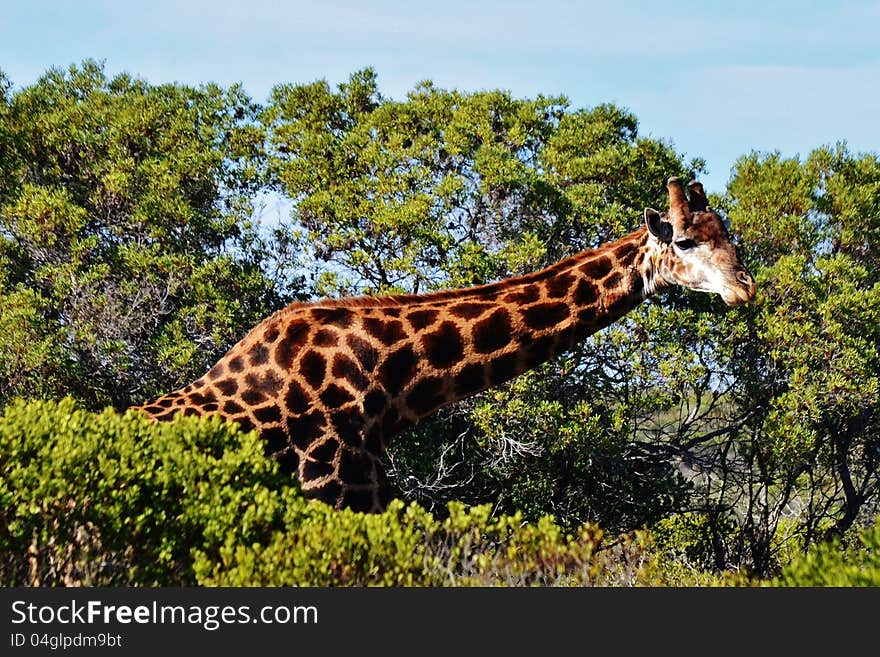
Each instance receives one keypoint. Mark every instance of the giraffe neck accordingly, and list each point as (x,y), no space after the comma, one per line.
(527,321)
(327,384)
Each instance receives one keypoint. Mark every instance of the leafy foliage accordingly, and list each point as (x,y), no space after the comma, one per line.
(131,258)
(446,189)
(805,458)
(407,546)
(834,564)
(129,261)
(112,500)
(108,499)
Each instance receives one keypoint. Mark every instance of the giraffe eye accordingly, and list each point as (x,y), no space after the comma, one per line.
(685,245)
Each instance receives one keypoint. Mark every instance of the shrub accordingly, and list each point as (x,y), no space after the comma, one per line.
(117,500)
(407,546)
(837,564)
(108,499)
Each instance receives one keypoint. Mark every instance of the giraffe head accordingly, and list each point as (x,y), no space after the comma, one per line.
(693,247)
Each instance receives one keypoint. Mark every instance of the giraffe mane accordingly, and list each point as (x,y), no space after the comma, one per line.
(465,293)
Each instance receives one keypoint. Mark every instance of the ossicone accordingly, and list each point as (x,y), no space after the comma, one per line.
(698,202)
(679,212)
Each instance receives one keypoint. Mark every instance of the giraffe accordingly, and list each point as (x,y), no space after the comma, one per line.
(328,383)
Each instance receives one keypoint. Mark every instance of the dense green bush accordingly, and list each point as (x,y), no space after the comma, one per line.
(110,499)
(855,563)
(407,546)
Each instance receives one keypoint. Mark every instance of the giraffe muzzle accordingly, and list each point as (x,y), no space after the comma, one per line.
(742,293)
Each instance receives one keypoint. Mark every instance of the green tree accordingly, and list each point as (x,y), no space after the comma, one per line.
(130,261)
(815,374)
(789,456)
(446,189)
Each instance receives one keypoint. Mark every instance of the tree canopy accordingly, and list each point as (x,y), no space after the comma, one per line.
(129,258)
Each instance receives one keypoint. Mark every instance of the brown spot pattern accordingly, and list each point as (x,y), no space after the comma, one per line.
(326,385)
(493,332)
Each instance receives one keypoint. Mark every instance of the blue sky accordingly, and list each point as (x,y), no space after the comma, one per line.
(717,79)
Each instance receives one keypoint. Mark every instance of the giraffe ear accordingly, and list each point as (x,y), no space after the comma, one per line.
(658,226)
